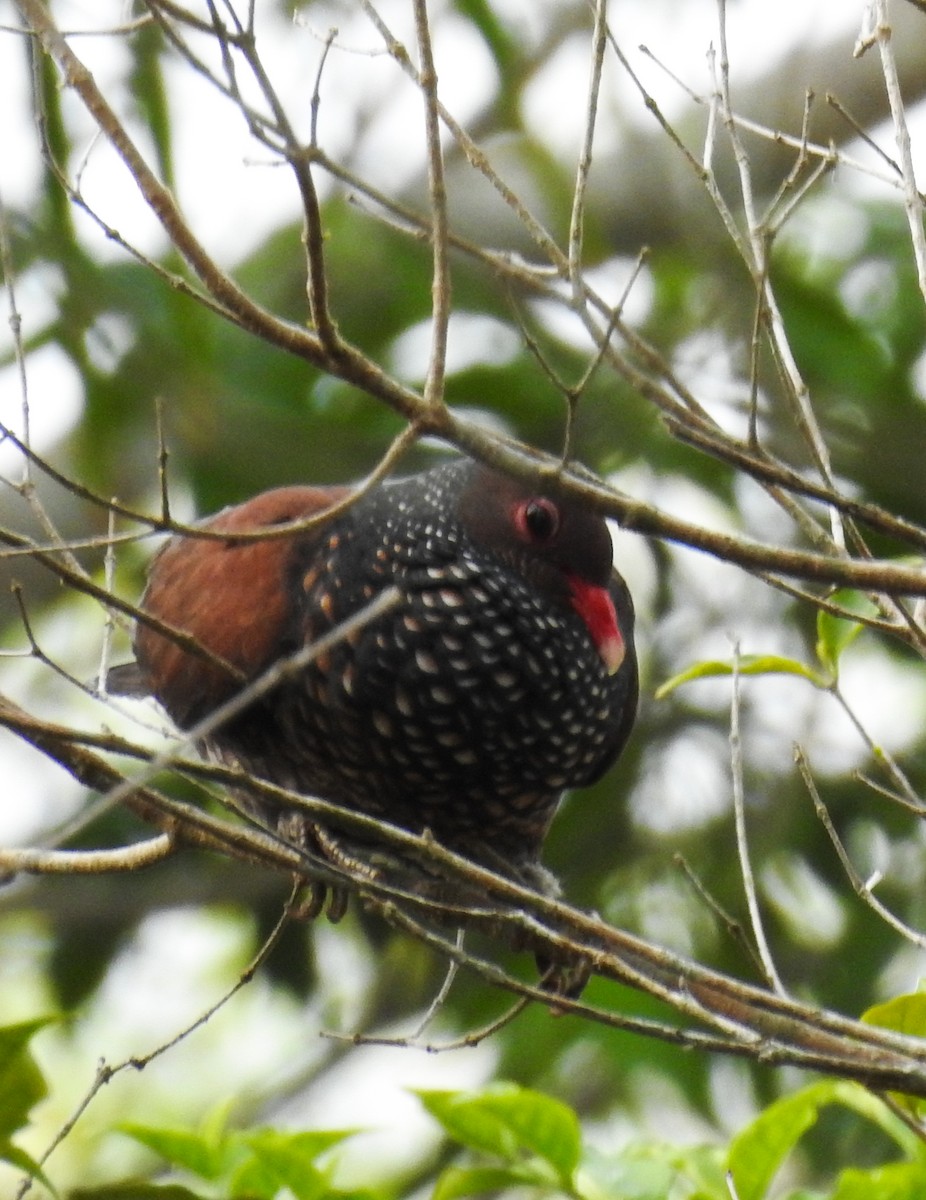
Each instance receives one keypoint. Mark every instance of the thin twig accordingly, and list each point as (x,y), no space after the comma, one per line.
(742,844)
(746,1020)
(859,130)
(730,923)
(474,156)
(756,259)
(913,201)
(443,991)
(15,323)
(109,620)
(316,101)
(106,1073)
(87,862)
(878,753)
(437,191)
(861,887)
(584,166)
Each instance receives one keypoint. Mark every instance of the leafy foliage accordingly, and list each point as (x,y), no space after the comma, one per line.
(703,332)
(509,1137)
(22,1086)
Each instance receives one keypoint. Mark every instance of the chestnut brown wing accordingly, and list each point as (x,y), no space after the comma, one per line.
(234,597)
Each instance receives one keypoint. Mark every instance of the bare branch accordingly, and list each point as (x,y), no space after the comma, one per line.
(584,166)
(87,862)
(742,845)
(913,200)
(440,285)
(862,888)
(106,1073)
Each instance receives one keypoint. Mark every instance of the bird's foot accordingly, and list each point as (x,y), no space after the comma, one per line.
(313,895)
(563,975)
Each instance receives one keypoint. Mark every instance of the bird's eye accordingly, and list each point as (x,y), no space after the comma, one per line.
(538,519)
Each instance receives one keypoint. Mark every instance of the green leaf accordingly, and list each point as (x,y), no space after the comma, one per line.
(465,1120)
(22,1084)
(895,1181)
(757,1153)
(473,1181)
(286,1160)
(857,1098)
(748,664)
(903,1014)
(309,1144)
(639,1171)
(258,1162)
(835,634)
(137,1191)
(201,1154)
(506,1120)
(263,1178)
(704,1168)
(24,1162)
(760,1149)
(543,1125)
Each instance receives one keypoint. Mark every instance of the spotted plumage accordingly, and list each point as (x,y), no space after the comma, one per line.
(505,675)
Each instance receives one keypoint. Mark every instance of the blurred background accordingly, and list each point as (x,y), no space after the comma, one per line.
(108,342)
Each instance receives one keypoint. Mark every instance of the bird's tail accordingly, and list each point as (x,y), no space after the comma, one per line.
(126,679)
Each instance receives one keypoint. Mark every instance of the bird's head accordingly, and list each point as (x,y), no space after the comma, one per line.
(560,545)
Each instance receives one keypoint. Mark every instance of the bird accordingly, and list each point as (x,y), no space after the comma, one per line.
(504,675)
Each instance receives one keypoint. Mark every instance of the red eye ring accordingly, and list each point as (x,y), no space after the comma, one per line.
(537,520)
